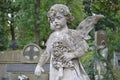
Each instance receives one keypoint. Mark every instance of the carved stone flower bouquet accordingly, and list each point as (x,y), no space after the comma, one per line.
(59,49)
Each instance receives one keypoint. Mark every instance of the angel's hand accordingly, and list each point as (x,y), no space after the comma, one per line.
(67,57)
(38,70)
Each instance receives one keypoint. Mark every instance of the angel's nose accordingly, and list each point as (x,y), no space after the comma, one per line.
(55,22)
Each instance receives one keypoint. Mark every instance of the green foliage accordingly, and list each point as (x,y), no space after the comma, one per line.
(3,26)
(3,38)
(24,21)
(92,70)
(77,11)
(111,10)
(116,74)
(24,18)
(87,57)
(108,8)
(113,41)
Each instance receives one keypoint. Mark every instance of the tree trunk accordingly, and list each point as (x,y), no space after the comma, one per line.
(12,27)
(14,45)
(36,30)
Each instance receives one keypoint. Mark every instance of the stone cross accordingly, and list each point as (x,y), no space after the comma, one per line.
(31,52)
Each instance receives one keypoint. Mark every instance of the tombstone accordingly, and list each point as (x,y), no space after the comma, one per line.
(31,53)
(116,60)
(20,64)
(8,57)
(26,72)
(101,47)
(3,72)
(99,37)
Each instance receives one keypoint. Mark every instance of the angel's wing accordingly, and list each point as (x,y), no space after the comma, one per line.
(88,24)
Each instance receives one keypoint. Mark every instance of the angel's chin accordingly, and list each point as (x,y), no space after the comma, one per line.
(55,28)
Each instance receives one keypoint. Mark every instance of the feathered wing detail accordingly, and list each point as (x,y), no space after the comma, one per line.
(88,24)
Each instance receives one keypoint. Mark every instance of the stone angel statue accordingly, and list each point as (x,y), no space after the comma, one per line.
(65,46)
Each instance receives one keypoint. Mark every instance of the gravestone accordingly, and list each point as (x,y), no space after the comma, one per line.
(99,37)
(31,53)
(102,50)
(20,63)
(3,72)
(26,72)
(116,60)
(10,56)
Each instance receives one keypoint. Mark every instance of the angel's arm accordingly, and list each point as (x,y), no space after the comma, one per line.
(73,55)
(77,52)
(44,58)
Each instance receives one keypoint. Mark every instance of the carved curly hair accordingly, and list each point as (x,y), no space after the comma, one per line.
(60,8)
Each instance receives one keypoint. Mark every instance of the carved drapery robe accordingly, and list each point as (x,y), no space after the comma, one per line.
(76,43)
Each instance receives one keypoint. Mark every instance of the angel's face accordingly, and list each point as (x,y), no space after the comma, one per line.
(58,22)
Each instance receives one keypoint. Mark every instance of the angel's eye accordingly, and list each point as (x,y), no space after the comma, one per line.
(51,19)
(58,17)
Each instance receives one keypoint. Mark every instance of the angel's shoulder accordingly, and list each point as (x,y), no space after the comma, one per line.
(74,33)
(52,35)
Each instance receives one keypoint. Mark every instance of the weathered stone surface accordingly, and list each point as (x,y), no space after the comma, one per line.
(15,56)
(116,60)
(24,67)
(64,46)
(16,70)
(100,36)
(13,64)
(10,56)
(30,75)
(102,49)
(30,53)
(3,70)
(4,78)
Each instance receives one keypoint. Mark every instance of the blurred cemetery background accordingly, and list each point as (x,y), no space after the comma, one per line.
(24,30)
